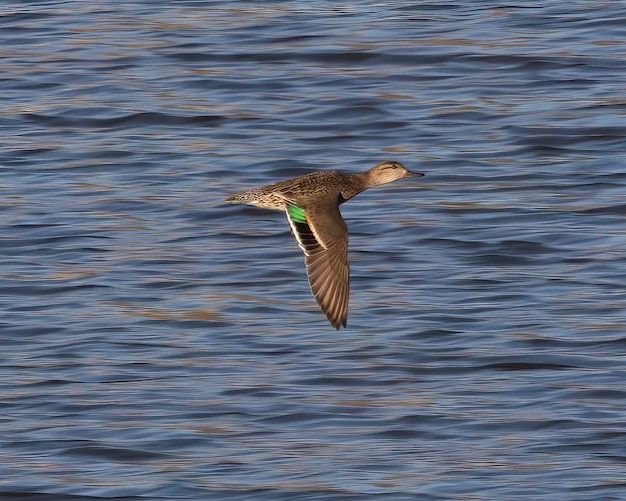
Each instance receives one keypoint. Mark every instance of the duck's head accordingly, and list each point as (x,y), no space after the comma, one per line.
(386,172)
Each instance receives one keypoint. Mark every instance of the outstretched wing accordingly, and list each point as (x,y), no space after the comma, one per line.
(322,234)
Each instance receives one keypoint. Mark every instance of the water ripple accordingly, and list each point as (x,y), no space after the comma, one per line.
(158,344)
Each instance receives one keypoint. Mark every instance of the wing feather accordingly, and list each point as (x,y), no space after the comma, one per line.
(322,235)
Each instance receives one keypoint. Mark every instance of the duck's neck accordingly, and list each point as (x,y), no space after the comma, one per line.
(353,185)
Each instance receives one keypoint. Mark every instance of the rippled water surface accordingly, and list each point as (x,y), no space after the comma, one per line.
(159,345)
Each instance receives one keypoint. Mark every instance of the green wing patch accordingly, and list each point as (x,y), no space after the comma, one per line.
(296,213)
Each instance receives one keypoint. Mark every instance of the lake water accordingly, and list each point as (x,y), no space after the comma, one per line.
(159,345)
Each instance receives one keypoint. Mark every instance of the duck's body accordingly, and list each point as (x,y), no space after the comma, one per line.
(312,206)
(340,186)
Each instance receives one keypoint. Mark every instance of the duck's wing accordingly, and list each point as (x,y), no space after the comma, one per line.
(322,234)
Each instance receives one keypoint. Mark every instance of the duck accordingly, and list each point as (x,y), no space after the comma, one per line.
(311,203)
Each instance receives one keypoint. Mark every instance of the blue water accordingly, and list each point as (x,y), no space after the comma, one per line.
(156,344)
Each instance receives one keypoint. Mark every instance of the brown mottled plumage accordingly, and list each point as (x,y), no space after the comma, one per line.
(312,206)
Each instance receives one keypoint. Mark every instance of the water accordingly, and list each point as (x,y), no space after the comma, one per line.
(158,345)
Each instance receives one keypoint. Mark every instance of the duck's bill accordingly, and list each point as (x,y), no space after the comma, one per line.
(413,174)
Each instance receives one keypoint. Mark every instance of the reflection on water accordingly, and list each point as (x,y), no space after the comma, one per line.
(158,344)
